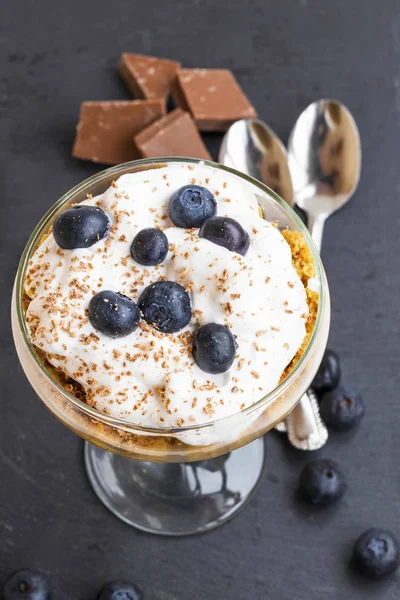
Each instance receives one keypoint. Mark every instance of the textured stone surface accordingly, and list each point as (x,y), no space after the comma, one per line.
(285,54)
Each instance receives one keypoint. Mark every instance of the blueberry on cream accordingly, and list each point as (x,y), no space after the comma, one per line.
(113,314)
(80,227)
(191,205)
(214,348)
(226,232)
(166,306)
(149,247)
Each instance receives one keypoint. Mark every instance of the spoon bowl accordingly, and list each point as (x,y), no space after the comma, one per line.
(324,153)
(250,146)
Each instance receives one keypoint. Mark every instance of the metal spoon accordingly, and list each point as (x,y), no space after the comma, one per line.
(324,152)
(246,147)
(252,147)
(324,161)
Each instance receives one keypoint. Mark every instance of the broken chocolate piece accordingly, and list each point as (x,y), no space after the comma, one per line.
(212,96)
(106,129)
(173,135)
(147,76)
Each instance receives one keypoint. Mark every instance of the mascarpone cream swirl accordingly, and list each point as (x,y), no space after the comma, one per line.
(149,378)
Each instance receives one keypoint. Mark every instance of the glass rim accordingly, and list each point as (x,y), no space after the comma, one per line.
(118,423)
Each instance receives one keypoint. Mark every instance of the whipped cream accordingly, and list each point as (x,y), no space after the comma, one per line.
(149,378)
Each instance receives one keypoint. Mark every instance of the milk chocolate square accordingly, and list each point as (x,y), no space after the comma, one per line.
(106,130)
(212,96)
(147,76)
(173,135)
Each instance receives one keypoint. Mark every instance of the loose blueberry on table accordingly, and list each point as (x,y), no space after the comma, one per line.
(80,227)
(120,590)
(328,374)
(214,348)
(342,408)
(149,247)
(191,205)
(113,314)
(226,232)
(322,482)
(166,305)
(27,585)
(376,553)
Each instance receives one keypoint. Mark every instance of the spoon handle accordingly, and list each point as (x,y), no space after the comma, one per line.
(315,225)
(304,425)
(305,428)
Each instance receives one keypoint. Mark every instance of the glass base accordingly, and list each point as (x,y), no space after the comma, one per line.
(175,498)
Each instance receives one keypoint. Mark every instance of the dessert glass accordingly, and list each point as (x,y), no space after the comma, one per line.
(170,487)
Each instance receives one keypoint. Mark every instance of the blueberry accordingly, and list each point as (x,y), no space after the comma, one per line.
(342,408)
(120,590)
(191,205)
(149,247)
(322,482)
(113,314)
(376,552)
(328,374)
(166,305)
(214,348)
(27,585)
(226,232)
(80,227)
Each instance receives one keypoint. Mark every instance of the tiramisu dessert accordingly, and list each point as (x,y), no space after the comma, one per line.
(169,300)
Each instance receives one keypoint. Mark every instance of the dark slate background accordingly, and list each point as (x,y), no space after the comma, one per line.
(285,53)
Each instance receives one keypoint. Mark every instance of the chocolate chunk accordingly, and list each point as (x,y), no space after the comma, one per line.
(173,135)
(106,129)
(147,76)
(212,96)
